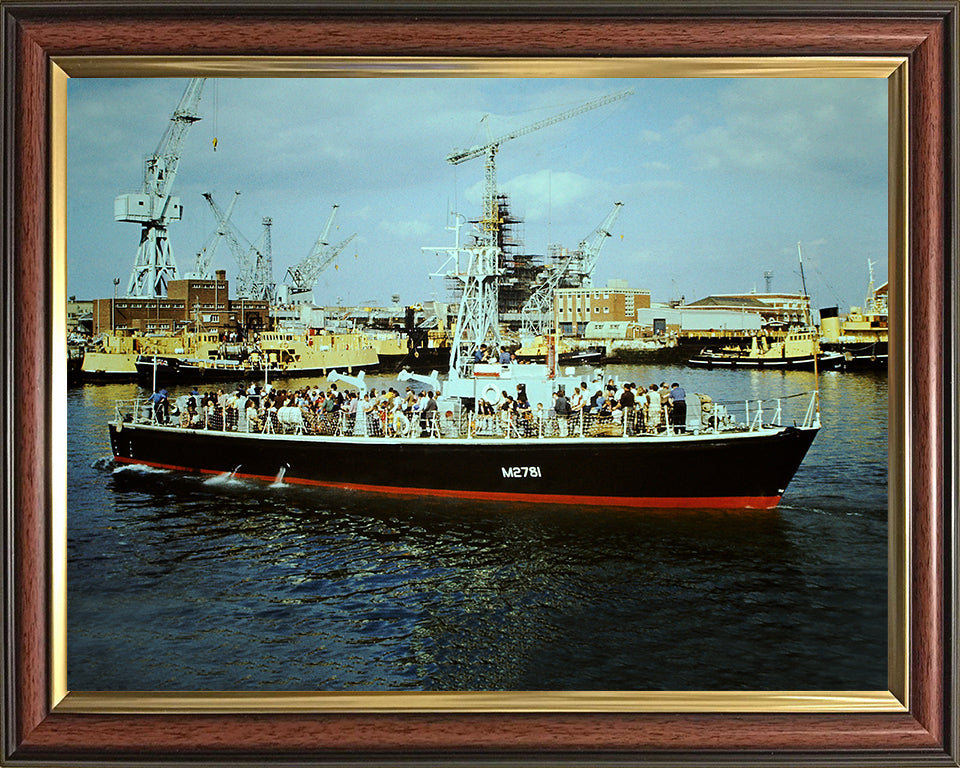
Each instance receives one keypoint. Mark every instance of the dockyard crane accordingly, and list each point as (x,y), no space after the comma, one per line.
(490,218)
(535,313)
(305,274)
(254,260)
(572,269)
(153,206)
(580,271)
(201,269)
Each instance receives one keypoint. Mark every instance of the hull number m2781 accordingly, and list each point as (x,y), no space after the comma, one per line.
(520,472)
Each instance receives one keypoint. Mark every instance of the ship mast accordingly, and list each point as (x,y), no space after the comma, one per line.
(803,283)
(477,266)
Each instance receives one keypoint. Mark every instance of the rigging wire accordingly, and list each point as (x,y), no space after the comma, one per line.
(216,112)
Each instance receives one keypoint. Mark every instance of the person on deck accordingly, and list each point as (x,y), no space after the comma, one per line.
(627,405)
(428,415)
(561,407)
(679,399)
(161,406)
(653,409)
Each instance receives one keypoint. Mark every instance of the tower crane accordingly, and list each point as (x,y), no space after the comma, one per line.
(490,218)
(305,274)
(573,270)
(254,260)
(153,206)
(260,255)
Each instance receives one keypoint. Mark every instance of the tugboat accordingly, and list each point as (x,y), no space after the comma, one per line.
(540,349)
(466,441)
(800,348)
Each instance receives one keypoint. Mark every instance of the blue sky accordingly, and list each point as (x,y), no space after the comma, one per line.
(720,178)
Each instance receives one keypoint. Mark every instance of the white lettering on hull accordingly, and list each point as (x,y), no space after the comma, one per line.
(515,473)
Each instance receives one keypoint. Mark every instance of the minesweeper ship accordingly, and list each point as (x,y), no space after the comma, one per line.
(716,458)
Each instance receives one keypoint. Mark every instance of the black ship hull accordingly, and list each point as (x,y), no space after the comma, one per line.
(865,354)
(592,356)
(720,360)
(419,361)
(733,470)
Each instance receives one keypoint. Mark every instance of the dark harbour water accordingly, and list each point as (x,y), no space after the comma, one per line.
(187,583)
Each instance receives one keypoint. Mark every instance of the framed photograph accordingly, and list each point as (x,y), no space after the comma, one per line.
(510,668)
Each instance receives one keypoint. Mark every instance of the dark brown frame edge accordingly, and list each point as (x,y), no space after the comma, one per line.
(923,31)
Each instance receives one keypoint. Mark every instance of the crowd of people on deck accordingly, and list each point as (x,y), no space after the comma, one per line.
(311,410)
(626,408)
(623,408)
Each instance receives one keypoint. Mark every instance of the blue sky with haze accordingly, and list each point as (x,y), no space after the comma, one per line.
(720,178)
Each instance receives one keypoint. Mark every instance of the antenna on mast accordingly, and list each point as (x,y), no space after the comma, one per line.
(803,280)
(803,283)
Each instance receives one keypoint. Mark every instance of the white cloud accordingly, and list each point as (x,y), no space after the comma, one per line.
(547,194)
(416,230)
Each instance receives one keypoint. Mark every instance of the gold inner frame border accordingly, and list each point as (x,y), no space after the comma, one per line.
(895,699)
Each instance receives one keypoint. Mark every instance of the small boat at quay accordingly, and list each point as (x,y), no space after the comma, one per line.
(488,431)
(195,356)
(800,348)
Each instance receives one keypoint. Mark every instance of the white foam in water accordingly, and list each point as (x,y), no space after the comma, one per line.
(278,481)
(224,478)
(140,469)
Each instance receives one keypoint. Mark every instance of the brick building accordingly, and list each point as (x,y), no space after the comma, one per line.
(205,303)
(575,307)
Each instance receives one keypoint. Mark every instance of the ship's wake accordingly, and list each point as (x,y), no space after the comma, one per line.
(228,479)
(103,464)
(139,469)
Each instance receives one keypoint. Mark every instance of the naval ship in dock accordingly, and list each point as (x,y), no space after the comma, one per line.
(863,336)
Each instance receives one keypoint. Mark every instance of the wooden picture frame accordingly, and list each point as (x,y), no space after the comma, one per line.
(919,724)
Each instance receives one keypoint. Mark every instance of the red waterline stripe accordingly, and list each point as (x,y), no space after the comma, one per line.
(660,502)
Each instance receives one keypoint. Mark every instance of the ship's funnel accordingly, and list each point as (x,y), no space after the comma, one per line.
(830,325)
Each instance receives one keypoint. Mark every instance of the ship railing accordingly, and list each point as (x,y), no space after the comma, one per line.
(707,416)
(704,417)
(751,415)
(141,410)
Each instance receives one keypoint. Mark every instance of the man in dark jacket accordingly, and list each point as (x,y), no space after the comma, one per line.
(627,403)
